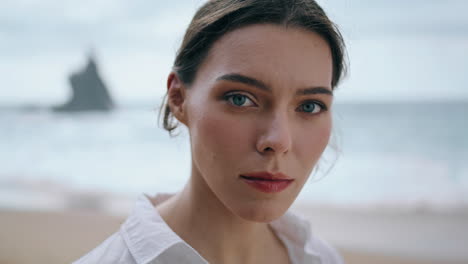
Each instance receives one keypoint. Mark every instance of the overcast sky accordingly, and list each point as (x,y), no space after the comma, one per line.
(399,50)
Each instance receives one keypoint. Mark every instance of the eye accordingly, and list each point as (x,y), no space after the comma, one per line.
(239,100)
(312,107)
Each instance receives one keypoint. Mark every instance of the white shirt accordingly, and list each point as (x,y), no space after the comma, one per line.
(144,238)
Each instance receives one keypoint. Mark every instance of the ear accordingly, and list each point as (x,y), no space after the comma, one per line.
(176,97)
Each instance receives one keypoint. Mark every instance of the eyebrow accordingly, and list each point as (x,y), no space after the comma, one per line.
(315,90)
(234,77)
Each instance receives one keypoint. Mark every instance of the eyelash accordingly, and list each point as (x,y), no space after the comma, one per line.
(229,97)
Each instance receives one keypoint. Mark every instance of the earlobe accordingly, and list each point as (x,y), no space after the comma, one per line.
(176,97)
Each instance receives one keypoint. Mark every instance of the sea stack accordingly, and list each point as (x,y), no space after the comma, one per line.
(89,93)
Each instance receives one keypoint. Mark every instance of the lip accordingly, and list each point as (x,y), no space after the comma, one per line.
(267,182)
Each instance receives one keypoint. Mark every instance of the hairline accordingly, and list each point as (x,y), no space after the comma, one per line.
(286,24)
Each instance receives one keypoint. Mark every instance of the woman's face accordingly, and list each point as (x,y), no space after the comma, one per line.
(260,102)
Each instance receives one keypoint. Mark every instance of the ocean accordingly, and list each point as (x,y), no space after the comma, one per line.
(394,154)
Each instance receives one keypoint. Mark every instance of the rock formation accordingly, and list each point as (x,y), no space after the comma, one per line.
(89,93)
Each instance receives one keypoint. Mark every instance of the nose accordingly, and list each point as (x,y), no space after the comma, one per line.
(275,135)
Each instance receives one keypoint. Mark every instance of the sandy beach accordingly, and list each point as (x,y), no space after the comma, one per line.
(392,235)
(362,236)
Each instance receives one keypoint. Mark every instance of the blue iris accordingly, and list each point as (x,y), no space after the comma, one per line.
(239,99)
(308,107)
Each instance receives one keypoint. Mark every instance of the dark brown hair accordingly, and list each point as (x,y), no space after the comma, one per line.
(218,17)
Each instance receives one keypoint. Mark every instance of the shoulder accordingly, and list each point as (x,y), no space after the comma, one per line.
(296,231)
(327,253)
(318,246)
(112,250)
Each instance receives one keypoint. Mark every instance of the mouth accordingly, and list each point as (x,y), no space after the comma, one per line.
(267,182)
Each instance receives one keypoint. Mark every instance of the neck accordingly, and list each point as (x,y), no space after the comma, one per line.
(220,236)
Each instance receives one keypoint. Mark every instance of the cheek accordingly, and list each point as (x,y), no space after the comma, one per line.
(311,141)
(220,138)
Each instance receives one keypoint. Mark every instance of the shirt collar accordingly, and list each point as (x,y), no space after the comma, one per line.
(298,232)
(145,229)
(148,236)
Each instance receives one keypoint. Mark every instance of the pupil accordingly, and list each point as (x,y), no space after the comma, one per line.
(239,99)
(308,107)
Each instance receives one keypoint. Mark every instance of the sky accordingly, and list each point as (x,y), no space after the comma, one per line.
(398,50)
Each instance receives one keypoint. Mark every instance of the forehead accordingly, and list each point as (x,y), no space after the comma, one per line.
(279,56)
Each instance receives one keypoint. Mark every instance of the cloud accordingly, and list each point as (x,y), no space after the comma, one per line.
(30,26)
(53,11)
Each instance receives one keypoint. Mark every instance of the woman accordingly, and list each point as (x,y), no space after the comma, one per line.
(253,83)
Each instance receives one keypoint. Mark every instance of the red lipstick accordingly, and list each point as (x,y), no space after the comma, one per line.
(267,182)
